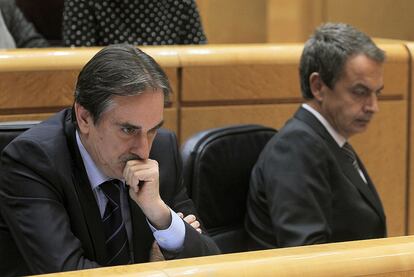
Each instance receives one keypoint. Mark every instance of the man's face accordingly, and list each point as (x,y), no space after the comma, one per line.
(352,102)
(124,132)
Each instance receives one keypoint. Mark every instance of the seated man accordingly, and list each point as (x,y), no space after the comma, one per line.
(15,30)
(308,186)
(93,185)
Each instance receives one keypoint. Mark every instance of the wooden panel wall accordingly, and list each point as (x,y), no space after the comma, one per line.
(410,150)
(262,86)
(233,21)
(379,18)
(229,84)
(34,84)
(276,21)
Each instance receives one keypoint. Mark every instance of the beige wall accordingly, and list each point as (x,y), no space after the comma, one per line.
(233,21)
(260,21)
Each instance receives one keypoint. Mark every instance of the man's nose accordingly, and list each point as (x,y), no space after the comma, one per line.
(140,146)
(371,105)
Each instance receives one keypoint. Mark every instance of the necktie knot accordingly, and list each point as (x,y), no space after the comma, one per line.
(349,152)
(112,191)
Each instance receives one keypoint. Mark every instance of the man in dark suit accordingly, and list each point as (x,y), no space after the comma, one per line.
(93,185)
(308,186)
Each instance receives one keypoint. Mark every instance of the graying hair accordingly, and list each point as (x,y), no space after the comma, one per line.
(327,51)
(117,70)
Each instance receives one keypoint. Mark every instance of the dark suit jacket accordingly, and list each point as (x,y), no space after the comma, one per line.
(304,190)
(51,221)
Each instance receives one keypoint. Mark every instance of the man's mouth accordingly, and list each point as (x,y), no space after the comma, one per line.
(363,121)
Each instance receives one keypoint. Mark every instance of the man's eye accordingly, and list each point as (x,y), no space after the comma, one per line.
(129,130)
(360,92)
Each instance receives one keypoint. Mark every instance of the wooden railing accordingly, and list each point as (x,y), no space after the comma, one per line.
(381,257)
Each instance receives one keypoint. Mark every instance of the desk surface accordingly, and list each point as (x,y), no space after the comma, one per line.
(380,257)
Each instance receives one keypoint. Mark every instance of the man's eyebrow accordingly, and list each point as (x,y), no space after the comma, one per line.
(128,125)
(359,85)
(137,127)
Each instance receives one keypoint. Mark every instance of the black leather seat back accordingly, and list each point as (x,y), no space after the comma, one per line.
(10,130)
(217,165)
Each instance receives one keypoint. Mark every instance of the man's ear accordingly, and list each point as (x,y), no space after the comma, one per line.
(83,118)
(316,86)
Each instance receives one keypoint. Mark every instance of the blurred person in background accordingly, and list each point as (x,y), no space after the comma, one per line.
(137,22)
(15,30)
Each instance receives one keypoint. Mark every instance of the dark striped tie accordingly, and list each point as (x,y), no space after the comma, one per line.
(114,226)
(350,153)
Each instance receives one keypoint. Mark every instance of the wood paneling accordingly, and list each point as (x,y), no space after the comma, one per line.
(410,149)
(396,70)
(233,21)
(383,149)
(378,18)
(170,119)
(292,20)
(279,21)
(195,119)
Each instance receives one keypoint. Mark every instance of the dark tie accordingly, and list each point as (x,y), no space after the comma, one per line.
(114,226)
(350,153)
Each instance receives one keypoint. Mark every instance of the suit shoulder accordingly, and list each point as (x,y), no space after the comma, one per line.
(46,143)
(299,133)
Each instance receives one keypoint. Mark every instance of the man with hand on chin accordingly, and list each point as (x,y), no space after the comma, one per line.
(94,185)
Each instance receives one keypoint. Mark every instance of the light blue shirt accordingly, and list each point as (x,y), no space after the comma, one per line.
(340,140)
(170,239)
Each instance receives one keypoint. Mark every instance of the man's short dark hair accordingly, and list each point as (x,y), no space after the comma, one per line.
(117,70)
(327,51)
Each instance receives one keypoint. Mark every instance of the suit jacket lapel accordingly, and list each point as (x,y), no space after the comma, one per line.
(92,216)
(370,185)
(367,190)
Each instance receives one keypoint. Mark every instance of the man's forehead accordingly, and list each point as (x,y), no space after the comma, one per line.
(142,117)
(361,66)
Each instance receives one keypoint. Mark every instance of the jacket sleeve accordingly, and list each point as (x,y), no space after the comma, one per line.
(297,189)
(33,206)
(22,31)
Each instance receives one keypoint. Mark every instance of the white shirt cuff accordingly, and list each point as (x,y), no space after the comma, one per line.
(172,238)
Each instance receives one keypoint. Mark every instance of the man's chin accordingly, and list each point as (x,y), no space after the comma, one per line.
(359,128)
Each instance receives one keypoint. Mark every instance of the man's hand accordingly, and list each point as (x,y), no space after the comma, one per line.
(143,180)
(192,220)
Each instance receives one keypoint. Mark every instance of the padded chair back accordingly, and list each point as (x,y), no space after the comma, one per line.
(10,130)
(217,165)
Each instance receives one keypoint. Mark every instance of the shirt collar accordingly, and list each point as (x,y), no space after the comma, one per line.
(95,175)
(340,140)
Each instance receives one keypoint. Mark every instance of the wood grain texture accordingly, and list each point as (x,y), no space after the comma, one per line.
(410,127)
(380,257)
